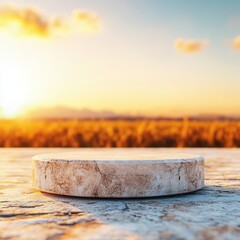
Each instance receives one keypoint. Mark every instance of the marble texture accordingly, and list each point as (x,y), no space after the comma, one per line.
(209,214)
(114,173)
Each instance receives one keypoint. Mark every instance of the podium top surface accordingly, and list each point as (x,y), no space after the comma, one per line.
(119,155)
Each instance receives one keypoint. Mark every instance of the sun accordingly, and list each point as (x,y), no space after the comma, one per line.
(11,109)
(13,93)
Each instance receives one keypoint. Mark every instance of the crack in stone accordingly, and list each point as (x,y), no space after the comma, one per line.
(10,215)
(75,222)
(125,207)
(179,170)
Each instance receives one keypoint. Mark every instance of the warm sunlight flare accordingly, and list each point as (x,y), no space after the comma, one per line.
(10,109)
(13,93)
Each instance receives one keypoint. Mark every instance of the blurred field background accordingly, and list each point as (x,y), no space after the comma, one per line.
(119,133)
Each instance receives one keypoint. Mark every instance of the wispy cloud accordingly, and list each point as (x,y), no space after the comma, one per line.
(28,21)
(236,43)
(86,21)
(190,45)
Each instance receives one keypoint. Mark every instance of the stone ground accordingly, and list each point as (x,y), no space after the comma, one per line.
(211,213)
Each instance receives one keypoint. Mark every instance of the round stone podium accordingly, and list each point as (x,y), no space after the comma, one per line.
(117,173)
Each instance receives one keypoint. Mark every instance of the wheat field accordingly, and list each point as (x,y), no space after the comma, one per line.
(119,133)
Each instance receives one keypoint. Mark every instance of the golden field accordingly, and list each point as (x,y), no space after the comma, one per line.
(119,133)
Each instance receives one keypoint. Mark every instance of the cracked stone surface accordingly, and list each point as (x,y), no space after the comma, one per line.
(118,173)
(210,213)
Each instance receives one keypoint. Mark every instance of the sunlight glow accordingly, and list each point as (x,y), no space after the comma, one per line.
(13,93)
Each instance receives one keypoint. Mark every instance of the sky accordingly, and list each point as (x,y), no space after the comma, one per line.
(174,58)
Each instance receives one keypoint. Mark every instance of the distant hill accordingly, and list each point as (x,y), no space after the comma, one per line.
(213,117)
(60,112)
(68,113)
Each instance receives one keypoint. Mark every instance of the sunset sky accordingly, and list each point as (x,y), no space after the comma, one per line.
(151,57)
